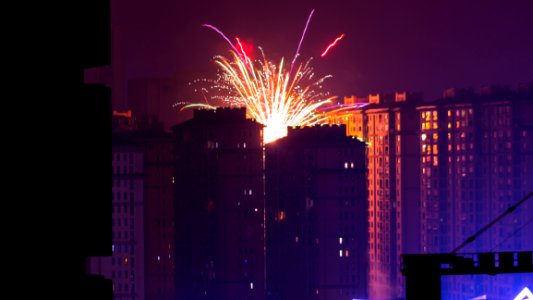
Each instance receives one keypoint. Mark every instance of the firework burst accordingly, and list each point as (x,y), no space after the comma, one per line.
(271,95)
(275,95)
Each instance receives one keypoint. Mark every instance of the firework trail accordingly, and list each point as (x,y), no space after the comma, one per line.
(332,44)
(301,40)
(223,36)
(202,105)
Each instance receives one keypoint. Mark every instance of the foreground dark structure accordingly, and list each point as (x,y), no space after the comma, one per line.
(423,271)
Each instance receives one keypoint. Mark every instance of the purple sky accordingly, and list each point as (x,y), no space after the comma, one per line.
(415,45)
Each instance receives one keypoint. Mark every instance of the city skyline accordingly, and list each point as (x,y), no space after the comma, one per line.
(428,168)
(431,167)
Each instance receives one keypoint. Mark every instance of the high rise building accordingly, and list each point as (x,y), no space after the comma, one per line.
(219,206)
(126,266)
(440,171)
(390,124)
(476,162)
(316,215)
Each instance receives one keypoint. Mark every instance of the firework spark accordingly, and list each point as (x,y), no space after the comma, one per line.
(332,45)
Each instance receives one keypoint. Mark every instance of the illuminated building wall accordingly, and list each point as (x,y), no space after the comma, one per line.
(219,206)
(351,117)
(126,266)
(393,194)
(316,215)
(381,215)
(355,121)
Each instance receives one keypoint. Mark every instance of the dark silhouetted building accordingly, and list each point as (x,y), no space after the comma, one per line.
(317,229)
(219,206)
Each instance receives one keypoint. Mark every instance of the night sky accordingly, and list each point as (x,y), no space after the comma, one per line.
(415,45)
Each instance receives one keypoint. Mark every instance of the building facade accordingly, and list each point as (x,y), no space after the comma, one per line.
(157,146)
(126,266)
(219,206)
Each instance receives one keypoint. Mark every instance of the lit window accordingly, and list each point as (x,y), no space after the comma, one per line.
(251,285)
(347,253)
(346,165)
(340,241)
(423,136)
(340,253)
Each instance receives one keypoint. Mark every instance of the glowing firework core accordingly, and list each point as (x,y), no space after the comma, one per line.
(275,129)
